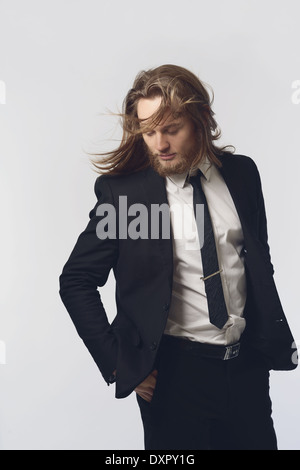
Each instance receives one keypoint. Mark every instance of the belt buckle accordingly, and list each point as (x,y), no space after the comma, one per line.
(232,351)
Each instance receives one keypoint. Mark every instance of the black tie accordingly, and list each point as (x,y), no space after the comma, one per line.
(211,272)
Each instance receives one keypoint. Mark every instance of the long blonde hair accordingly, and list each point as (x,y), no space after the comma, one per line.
(182,93)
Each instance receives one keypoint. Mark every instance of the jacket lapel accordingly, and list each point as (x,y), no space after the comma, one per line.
(154,187)
(236,187)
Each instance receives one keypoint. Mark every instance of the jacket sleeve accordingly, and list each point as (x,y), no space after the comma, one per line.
(87,269)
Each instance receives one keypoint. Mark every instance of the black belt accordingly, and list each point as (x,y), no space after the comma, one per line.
(224,353)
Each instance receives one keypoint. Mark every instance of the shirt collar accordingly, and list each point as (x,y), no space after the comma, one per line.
(180,179)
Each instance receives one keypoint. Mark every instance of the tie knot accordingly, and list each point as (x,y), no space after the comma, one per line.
(195,179)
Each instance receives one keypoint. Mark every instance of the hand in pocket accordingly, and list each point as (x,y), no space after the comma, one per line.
(146,389)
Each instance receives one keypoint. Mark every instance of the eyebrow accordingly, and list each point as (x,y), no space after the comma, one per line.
(172,124)
(168,126)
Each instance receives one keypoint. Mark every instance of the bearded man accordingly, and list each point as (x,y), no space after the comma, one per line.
(199,323)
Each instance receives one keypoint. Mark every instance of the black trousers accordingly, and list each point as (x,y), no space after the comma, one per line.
(208,404)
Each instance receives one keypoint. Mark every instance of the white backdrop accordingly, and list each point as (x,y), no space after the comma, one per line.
(63,63)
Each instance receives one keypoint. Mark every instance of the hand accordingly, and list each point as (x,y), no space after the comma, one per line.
(146,389)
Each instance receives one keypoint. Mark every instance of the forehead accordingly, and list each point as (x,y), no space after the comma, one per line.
(146,107)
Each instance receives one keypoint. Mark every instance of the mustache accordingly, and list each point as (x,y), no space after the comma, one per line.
(158,154)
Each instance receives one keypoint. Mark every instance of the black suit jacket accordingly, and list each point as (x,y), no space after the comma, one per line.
(143,269)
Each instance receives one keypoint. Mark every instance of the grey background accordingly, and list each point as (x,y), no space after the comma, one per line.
(65,63)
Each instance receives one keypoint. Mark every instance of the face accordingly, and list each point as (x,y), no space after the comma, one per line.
(172,145)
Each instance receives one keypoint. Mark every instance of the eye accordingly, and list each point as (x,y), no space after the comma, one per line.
(173,130)
(149,134)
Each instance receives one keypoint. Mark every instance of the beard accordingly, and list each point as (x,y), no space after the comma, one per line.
(184,161)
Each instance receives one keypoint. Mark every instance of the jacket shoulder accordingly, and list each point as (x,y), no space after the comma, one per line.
(121,178)
(238,163)
(119,184)
(236,159)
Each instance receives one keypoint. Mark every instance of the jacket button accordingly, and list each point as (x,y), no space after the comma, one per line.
(153,346)
(166,307)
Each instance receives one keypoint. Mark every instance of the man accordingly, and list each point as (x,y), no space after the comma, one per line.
(199,323)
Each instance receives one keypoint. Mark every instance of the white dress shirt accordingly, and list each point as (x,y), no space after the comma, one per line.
(188,315)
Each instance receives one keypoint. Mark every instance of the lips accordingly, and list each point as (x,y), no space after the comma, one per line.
(167,157)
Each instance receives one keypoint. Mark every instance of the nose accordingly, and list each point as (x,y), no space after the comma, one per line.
(162,144)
